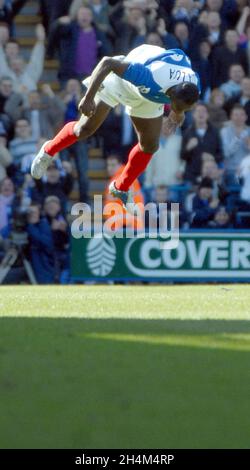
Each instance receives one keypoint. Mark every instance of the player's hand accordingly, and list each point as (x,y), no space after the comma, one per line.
(87,106)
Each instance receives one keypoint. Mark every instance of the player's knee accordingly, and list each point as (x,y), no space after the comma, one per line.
(83,131)
(149,147)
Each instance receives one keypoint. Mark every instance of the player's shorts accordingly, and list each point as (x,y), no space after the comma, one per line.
(114,91)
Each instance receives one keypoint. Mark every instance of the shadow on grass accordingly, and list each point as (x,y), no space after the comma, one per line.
(83,383)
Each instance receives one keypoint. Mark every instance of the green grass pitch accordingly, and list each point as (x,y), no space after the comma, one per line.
(125,366)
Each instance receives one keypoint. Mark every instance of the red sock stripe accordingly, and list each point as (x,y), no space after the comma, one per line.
(62,140)
(137,162)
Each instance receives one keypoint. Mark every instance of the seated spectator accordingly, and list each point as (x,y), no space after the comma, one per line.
(7,196)
(222,219)
(70,38)
(236,143)
(233,86)
(164,168)
(25,76)
(44,111)
(11,103)
(204,205)
(5,156)
(216,111)
(41,246)
(60,237)
(21,146)
(100,10)
(124,218)
(242,98)
(227,55)
(162,219)
(199,139)
(56,183)
(211,170)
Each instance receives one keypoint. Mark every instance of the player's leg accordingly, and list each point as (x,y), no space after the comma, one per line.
(71,132)
(148,132)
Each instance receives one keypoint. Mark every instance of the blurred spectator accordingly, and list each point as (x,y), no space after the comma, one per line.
(168,40)
(71,38)
(200,141)
(7,196)
(23,145)
(60,237)
(159,37)
(182,35)
(236,143)
(226,8)
(131,27)
(4,33)
(55,183)
(25,76)
(233,86)
(158,219)
(100,10)
(214,28)
(79,151)
(210,169)
(216,111)
(5,156)
(9,9)
(41,246)
(45,112)
(226,55)
(11,49)
(243,29)
(221,219)
(52,10)
(244,174)
(202,65)
(165,166)
(242,98)
(185,10)
(124,218)
(204,205)
(11,102)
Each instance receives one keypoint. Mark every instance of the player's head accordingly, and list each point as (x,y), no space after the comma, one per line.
(183,96)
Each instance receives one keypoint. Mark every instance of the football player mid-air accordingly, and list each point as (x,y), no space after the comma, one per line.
(145,80)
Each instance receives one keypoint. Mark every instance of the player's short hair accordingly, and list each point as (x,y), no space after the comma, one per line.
(186,92)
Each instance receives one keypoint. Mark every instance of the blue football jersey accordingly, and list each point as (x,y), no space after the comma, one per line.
(154,70)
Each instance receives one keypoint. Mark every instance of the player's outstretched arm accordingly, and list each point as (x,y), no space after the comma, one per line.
(105,66)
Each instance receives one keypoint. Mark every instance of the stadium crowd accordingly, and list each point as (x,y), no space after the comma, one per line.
(205,166)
